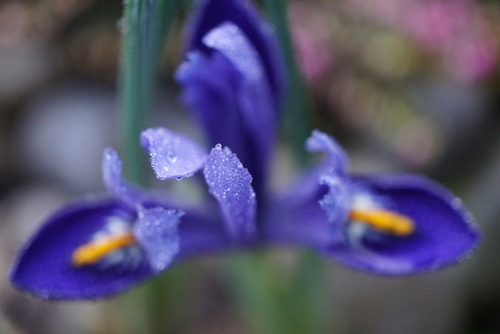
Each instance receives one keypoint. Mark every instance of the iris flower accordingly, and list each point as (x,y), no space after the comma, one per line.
(233,81)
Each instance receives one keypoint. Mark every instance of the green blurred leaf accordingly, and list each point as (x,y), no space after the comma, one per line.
(145,26)
(298,110)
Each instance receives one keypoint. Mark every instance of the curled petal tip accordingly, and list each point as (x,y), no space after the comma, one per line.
(212,13)
(172,154)
(336,158)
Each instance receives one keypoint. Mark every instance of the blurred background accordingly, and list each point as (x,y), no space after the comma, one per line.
(404,85)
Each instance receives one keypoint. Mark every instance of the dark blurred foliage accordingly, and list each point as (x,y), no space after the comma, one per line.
(406,86)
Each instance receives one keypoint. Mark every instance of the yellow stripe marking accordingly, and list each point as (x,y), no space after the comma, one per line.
(384,221)
(95,250)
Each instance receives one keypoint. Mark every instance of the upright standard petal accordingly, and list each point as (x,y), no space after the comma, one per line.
(172,154)
(210,90)
(212,13)
(232,100)
(258,114)
(230,183)
(233,80)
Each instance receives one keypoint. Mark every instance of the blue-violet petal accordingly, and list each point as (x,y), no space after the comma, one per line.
(112,177)
(228,91)
(210,84)
(172,154)
(336,204)
(230,183)
(336,159)
(44,267)
(444,231)
(157,233)
(212,13)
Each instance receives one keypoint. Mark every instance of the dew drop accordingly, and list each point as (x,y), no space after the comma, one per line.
(456,203)
(171,157)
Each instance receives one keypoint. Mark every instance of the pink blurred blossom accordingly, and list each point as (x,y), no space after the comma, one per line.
(311,41)
(454,30)
(475,59)
(436,22)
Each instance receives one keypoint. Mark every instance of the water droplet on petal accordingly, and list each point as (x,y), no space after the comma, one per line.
(171,157)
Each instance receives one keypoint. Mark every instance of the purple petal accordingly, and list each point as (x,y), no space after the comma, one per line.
(201,234)
(444,231)
(254,95)
(230,183)
(297,219)
(212,13)
(229,93)
(336,159)
(311,211)
(44,266)
(336,204)
(258,114)
(234,30)
(172,154)
(112,171)
(307,213)
(212,98)
(201,231)
(157,233)
(112,176)
(230,41)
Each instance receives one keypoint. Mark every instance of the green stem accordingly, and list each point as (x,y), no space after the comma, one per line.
(297,106)
(146,24)
(273,304)
(310,296)
(252,284)
(274,301)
